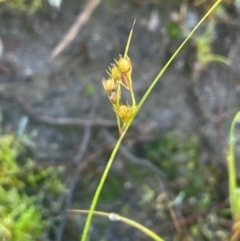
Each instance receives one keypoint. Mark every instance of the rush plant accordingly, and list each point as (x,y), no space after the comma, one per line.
(120,77)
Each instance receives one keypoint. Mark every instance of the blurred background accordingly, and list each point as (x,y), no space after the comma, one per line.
(58,128)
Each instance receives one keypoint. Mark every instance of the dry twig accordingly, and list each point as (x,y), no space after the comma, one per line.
(191,219)
(75,28)
(55,121)
(130,157)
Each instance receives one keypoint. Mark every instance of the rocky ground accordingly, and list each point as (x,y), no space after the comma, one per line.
(72,123)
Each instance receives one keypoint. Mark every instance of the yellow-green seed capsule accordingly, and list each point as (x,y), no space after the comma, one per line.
(116,73)
(125,112)
(124,64)
(109,85)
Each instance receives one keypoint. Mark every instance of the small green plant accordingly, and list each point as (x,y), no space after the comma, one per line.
(23,5)
(29,6)
(120,75)
(203,44)
(22,213)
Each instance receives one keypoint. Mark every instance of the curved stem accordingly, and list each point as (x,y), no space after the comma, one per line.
(116,217)
(232,168)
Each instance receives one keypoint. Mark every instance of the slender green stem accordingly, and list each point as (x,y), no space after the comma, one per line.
(215,57)
(100,185)
(117,106)
(133,99)
(105,173)
(132,92)
(118,122)
(116,217)
(129,40)
(232,168)
(174,55)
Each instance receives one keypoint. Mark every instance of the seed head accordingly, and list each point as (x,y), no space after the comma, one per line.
(124,64)
(125,112)
(109,85)
(116,73)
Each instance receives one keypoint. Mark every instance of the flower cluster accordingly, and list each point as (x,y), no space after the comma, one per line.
(120,77)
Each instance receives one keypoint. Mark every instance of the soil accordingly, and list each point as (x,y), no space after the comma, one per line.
(50,92)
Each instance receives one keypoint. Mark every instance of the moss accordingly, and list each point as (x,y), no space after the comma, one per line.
(23,5)
(22,193)
(178,158)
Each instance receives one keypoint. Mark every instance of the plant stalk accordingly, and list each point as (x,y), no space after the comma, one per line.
(105,173)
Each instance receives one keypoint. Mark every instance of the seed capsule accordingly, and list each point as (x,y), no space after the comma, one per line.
(116,73)
(124,64)
(109,85)
(125,112)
